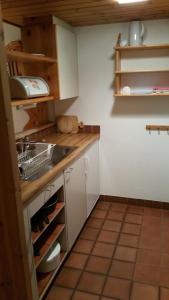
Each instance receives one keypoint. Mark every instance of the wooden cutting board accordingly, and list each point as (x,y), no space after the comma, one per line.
(68,124)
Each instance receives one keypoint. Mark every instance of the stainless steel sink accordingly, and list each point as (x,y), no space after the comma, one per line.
(35,159)
(60,152)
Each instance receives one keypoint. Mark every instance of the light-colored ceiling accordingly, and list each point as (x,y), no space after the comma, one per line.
(84,12)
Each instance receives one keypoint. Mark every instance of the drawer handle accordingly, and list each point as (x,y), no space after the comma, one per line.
(47,190)
(51,185)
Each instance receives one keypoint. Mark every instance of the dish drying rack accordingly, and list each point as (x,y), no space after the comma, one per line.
(33,156)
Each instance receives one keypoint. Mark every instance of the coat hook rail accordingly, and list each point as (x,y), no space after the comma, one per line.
(157,127)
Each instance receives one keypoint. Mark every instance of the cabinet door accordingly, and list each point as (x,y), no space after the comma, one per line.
(66,45)
(92,176)
(75,194)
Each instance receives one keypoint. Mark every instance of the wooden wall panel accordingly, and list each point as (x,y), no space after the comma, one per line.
(14,270)
(84,12)
(37,116)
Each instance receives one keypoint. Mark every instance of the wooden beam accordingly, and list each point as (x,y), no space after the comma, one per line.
(14,271)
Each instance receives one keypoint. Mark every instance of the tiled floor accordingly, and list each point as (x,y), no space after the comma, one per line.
(122,253)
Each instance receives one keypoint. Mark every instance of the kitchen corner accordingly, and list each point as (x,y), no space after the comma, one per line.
(57,204)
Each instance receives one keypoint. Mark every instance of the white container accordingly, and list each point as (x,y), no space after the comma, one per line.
(51,261)
(126,90)
(136,33)
(23,87)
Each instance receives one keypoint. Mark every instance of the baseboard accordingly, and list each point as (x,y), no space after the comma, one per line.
(138,202)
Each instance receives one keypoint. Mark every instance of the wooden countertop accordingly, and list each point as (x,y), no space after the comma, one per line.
(80,140)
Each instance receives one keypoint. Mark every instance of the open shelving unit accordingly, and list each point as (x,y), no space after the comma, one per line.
(119,72)
(49,243)
(16,58)
(51,217)
(45,238)
(36,59)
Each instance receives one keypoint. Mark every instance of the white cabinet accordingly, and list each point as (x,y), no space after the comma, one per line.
(92,176)
(66,46)
(75,191)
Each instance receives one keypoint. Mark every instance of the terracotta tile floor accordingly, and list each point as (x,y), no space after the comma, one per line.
(122,253)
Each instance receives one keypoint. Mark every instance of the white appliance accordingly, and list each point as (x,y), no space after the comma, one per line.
(51,261)
(136,33)
(23,87)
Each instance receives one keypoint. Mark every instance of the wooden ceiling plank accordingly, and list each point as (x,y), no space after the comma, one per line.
(105,8)
(84,12)
(58,4)
(72,5)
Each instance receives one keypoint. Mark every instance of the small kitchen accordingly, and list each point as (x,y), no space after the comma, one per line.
(84,126)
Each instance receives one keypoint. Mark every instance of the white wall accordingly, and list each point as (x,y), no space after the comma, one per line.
(11,33)
(20,117)
(133,163)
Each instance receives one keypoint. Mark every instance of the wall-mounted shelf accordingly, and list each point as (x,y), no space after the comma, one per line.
(144,47)
(26,57)
(121,81)
(143,95)
(25,102)
(140,71)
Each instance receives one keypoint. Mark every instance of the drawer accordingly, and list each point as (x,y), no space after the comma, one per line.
(53,186)
(44,196)
(36,204)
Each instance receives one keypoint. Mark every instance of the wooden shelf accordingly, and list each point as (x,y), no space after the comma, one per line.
(44,280)
(22,134)
(144,47)
(144,95)
(49,243)
(119,72)
(24,102)
(51,217)
(140,71)
(24,57)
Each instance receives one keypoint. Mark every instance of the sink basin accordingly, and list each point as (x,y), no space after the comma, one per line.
(35,159)
(60,152)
